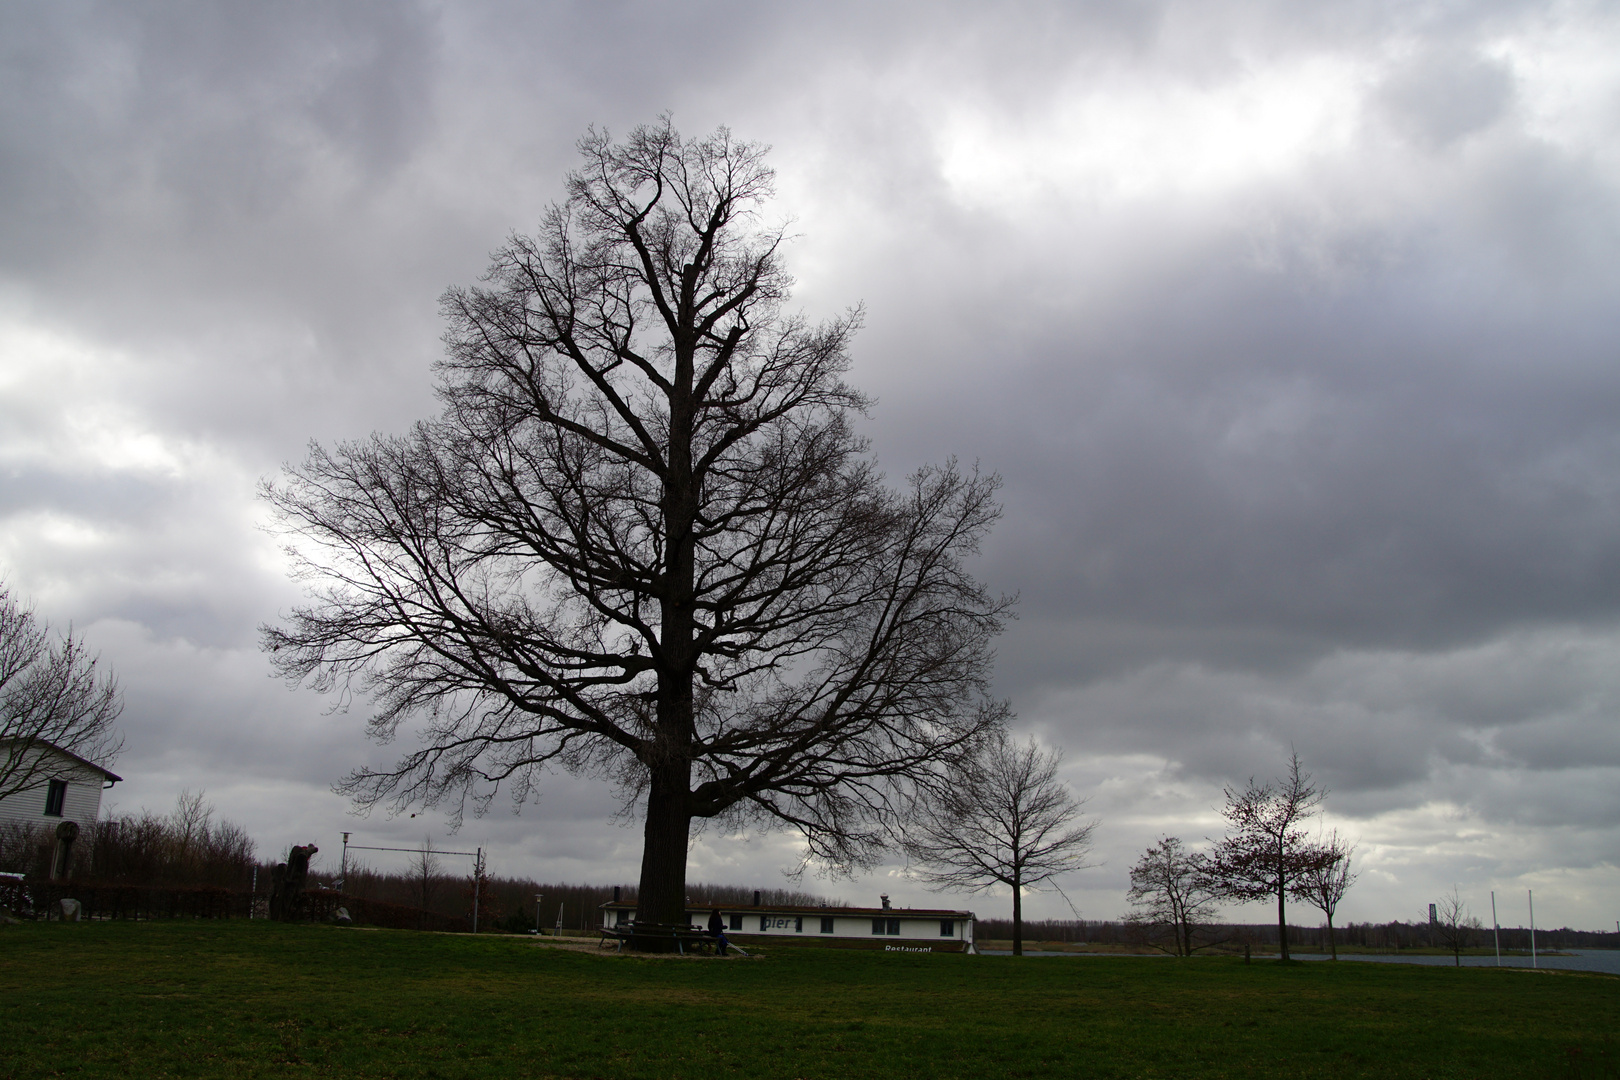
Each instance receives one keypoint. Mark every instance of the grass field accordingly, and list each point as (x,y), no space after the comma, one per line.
(229,999)
(1092,948)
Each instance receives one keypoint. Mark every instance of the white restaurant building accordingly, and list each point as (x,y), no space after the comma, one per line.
(887,928)
(65,786)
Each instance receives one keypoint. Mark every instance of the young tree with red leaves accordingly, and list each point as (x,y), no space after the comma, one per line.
(1268,850)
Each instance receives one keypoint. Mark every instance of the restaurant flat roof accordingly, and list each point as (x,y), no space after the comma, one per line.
(790,909)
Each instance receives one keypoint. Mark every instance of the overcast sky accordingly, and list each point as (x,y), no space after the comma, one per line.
(1294,330)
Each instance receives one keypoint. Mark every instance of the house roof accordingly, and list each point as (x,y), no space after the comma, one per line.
(70,755)
(789,909)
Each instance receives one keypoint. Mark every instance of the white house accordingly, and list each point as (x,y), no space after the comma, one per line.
(890,929)
(69,789)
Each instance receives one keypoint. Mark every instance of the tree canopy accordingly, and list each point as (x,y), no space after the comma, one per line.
(53,693)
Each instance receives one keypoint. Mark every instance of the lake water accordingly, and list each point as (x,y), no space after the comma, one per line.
(1605,960)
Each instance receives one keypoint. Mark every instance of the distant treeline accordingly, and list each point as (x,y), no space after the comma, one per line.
(189,852)
(1391,935)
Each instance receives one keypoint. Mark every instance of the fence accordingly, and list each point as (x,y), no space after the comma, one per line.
(98,900)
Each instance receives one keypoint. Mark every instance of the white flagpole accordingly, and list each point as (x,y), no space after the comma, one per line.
(1532,894)
(1496,930)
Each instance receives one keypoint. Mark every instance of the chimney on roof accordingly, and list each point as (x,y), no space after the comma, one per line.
(885,901)
(615,894)
(756,898)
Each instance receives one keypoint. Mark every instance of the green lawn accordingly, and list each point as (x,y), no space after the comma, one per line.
(226,999)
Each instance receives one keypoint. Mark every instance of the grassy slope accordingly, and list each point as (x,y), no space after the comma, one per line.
(255,999)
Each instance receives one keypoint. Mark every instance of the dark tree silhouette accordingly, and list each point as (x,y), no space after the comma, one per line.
(642,541)
(1172,888)
(53,693)
(1324,883)
(1001,818)
(1268,850)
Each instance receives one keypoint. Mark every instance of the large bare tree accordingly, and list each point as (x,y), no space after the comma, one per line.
(642,540)
(1173,890)
(53,693)
(1267,849)
(1001,818)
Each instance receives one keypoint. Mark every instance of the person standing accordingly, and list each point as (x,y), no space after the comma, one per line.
(717,927)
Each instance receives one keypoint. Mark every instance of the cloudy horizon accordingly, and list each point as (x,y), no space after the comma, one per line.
(1291,332)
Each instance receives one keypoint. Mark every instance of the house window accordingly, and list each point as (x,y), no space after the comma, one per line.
(55,795)
(736,922)
(947,928)
(826,924)
(886,926)
(625,917)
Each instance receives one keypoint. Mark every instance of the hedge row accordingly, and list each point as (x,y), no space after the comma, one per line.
(103,900)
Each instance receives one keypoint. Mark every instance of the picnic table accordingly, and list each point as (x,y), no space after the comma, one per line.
(687,939)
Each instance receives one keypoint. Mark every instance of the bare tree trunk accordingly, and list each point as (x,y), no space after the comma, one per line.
(661,895)
(1282,923)
(1018,919)
(1332,943)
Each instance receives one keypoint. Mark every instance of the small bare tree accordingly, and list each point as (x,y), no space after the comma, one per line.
(189,823)
(1268,850)
(425,871)
(1002,818)
(1172,889)
(53,693)
(1324,883)
(1454,927)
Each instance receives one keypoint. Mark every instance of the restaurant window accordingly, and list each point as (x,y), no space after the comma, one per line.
(55,796)
(736,922)
(947,928)
(764,923)
(886,926)
(798,925)
(826,924)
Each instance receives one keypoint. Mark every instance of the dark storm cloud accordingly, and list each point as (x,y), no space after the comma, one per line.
(194,115)
(1318,453)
